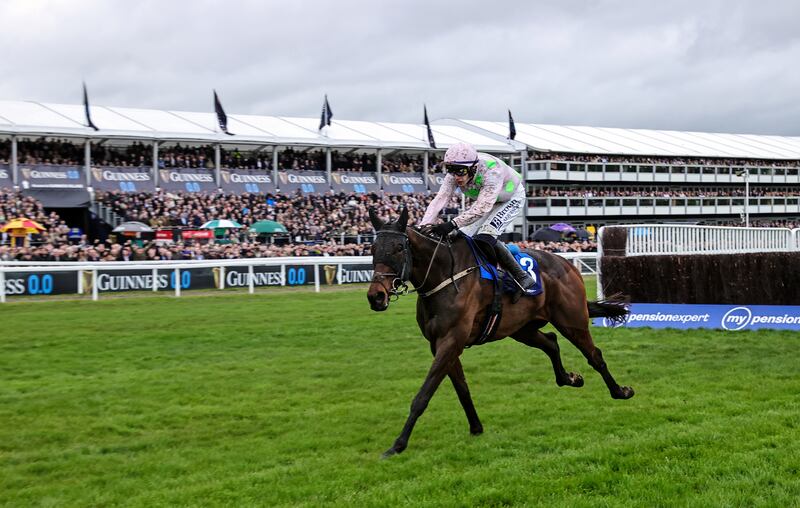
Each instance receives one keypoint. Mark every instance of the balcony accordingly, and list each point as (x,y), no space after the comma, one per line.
(657,173)
(642,206)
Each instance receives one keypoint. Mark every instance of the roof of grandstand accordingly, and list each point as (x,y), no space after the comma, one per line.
(40,119)
(643,142)
(43,119)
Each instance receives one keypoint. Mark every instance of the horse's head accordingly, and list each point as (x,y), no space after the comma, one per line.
(391,260)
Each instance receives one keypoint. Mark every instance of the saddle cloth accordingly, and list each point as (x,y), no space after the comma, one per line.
(490,272)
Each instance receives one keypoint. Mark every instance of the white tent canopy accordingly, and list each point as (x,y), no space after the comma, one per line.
(641,142)
(28,118)
(40,119)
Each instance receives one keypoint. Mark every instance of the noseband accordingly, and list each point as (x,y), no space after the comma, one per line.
(398,284)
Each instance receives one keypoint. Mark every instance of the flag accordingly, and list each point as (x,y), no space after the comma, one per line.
(222,118)
(89,122)
(431,142)
(327,114)
(512,129)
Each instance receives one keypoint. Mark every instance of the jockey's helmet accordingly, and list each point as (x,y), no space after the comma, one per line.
(461,159)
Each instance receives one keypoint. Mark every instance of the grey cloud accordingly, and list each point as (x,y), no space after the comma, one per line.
(713,66)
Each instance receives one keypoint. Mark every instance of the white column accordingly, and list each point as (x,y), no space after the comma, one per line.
(177,281)
(250,285)
(87,164)
(94,285)
(155,280)
(2,286)
(328,167)
(747,197)
(155,165)
(217,161)
(275,166)
(14,162)
(316,277)
(425,168)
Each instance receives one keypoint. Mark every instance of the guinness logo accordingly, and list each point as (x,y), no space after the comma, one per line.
(337,178)
(284,177)
(226,176)
(216,271)
(87,281)
(98,174)
(164,174)
(330,273)
(26,172)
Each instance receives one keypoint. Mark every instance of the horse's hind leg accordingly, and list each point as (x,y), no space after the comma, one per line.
(456,374)
(582,339)
(530,335)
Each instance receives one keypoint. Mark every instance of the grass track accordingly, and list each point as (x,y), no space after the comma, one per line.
(289,399)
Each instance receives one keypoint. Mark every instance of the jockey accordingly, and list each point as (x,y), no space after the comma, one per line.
(499,195)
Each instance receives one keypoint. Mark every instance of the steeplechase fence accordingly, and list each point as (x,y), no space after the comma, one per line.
(63,278)
(721,277)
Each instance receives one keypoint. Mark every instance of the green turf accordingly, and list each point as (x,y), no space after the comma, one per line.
(289,399)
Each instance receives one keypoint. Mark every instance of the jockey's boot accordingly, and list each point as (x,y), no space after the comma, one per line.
(507,261)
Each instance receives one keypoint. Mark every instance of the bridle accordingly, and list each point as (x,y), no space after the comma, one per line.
(399,286)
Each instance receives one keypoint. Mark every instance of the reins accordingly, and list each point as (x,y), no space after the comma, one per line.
(398,284)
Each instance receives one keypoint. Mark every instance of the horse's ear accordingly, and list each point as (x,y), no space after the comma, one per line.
(377,223)
(403,222)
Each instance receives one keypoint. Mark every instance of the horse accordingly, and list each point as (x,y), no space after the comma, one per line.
(453,302)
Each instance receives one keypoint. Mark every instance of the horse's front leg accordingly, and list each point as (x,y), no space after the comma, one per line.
(447,350)
(460,384)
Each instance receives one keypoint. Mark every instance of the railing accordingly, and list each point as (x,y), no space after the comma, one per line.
(47,278)
(660,239)
(647,205)
(672,173)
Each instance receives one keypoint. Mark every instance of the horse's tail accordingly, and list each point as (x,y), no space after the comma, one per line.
(616,308)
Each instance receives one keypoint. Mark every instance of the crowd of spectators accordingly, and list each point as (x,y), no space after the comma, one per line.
(660,191)
(158,251)
(13,205)
(307,217)
(138,154)
(665,161)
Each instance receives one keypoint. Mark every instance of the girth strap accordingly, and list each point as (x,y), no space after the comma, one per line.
(448,281)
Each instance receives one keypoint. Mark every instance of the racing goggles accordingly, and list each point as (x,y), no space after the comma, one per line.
(459,169)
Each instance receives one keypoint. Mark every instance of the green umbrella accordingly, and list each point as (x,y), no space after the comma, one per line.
(268,226)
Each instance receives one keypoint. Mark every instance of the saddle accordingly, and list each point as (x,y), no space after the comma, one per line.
(502,283)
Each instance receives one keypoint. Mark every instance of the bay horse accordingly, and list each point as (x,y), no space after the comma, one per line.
(453,303)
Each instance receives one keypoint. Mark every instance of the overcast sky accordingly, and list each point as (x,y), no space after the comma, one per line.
(717,66)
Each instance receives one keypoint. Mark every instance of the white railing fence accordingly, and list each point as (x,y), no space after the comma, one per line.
(45,278)
(665,239)
(659,239)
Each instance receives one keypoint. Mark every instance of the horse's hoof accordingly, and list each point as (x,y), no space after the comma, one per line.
(625,392)
(576,380)
(477,431)
(394,450)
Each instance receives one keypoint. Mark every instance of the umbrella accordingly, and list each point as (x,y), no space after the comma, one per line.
(546,235)
(133,227)
(22,226)
(564,228)
(221,224)
(268,226)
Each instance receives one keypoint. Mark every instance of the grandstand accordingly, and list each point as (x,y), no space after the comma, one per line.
(582,175)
